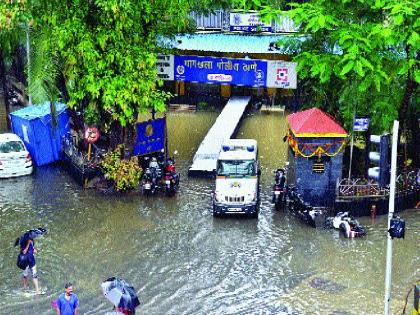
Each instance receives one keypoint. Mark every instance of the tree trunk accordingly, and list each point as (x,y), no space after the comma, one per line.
(3,82)
(116,137)
(410,87)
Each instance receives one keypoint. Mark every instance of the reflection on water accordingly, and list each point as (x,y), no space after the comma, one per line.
(180,259)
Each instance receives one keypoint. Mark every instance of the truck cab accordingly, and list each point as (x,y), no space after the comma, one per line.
(237,179)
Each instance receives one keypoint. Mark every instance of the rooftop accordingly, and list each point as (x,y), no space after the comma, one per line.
(226,42)
(314,123)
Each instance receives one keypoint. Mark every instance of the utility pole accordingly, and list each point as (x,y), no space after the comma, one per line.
(388,274)
(352,140)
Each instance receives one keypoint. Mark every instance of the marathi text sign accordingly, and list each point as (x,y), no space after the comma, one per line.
(165,67)
(248,22)
(361,124)
(250,72)
(150,136)
(281,74)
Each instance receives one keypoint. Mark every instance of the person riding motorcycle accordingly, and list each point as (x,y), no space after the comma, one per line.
(280,178)
(154,167)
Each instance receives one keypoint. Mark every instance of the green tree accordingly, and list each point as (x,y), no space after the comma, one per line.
(13,20)
(107,52)
(356,53)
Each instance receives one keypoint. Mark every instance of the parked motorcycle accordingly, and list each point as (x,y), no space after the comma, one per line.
(279,189)
(148,184)
(171,179)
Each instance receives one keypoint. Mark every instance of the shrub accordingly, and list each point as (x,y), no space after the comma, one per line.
(125,174)
(202,105)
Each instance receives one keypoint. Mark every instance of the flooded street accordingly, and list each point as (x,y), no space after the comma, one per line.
(183,261)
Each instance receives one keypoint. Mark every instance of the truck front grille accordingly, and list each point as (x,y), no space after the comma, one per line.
(234,199)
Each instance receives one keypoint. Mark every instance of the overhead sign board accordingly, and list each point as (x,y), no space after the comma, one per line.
(237,71)
(220,70)
(248,22)
(361,124)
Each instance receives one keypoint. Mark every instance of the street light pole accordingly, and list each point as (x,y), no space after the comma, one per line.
(352,140)
(388,274)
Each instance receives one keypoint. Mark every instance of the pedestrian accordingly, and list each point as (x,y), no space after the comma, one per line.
(67,302)
(29,250)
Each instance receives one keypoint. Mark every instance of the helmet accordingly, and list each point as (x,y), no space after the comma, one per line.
(154,159)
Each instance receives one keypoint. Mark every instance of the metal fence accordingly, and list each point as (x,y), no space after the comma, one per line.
(360,187)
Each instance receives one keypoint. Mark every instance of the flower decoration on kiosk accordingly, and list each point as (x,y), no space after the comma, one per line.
(308,150)
(312,125)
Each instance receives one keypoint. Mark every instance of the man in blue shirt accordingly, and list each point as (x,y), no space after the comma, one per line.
(67,302)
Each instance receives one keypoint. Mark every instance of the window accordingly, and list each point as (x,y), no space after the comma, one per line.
(11,146)
(236,168)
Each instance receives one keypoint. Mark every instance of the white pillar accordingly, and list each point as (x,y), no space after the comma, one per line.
(388,274)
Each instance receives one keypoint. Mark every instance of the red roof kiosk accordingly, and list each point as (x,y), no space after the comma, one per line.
(316,142)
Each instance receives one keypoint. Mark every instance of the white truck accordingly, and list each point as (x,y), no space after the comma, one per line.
(237,179)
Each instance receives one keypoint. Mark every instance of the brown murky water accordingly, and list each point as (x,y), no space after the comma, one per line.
(181,260)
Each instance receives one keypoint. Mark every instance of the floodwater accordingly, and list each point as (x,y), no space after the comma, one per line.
(183,261)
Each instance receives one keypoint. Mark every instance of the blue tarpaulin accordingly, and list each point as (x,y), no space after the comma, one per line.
(150,136)
(33,124)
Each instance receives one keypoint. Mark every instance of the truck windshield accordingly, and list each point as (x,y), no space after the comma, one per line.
(236,168)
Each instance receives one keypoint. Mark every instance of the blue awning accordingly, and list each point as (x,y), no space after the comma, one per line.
(234,43)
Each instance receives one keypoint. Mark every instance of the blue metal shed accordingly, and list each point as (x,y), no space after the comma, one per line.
(33,125)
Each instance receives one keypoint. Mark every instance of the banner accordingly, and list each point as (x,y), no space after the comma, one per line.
(248,22)
(250,72)
(150,136)
(281,74)
(218,70)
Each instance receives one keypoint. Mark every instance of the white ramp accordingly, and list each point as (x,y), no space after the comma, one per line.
(204,161)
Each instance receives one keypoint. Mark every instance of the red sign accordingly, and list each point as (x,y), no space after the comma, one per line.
(91,134)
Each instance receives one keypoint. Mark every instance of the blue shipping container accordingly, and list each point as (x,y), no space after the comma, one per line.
(33,125)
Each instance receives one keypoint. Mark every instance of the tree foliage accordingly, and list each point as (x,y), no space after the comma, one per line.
(108,50)
(359,54)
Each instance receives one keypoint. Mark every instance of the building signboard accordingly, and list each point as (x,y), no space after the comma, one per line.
(249,72)
(248,22)
(165,67)
(219,70)
(281,74)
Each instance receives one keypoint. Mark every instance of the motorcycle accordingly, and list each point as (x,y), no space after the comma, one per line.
(171,179)
(279,189)
(346,224)
(148,185)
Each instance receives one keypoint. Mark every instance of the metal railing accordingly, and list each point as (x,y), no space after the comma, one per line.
(360,187)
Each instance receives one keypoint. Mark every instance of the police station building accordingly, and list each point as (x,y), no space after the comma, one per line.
(231,54)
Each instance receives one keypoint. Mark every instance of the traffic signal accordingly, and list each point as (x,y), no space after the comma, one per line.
(397,227)
(379,157)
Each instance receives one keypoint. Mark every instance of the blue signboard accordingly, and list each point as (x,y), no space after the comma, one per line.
(150,136)
(361,124)
(220,70)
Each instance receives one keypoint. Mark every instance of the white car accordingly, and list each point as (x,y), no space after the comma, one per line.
(15,160)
